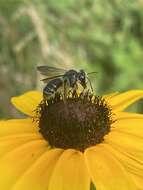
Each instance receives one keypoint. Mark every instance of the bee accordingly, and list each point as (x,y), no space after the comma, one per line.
(57,78)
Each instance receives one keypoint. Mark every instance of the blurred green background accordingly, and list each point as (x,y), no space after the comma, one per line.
(97,35)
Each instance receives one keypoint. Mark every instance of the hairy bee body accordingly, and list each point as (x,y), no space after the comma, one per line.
(57,78)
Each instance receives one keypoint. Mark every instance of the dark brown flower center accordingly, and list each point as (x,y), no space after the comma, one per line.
(78,123)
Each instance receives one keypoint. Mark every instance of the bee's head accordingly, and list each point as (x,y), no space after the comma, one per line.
(82,77)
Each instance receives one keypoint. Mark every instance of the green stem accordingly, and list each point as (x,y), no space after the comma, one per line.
(92,187)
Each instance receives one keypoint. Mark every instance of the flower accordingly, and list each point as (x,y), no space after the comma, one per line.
(28,161)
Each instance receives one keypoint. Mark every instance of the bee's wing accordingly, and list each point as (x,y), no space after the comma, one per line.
(50,71)
(48,79)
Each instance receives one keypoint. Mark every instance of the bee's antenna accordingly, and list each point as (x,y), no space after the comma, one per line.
(90,84)
(92,73)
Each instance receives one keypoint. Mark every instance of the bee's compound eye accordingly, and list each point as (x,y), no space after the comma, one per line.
(81,77)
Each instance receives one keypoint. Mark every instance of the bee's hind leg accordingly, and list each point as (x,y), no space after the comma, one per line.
(65,90)
(74,91)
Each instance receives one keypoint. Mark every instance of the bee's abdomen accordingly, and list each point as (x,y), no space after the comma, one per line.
(52,86)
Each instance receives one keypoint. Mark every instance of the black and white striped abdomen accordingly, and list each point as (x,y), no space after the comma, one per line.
(52,87)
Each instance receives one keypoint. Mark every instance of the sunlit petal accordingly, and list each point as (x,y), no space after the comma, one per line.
(27,102)
(121,101)
(17,126)
(125,140)
(70,172)
(131,163)
(106,172)
(37,177)
(109,96)
(138,181)
(16,162)
(130,123)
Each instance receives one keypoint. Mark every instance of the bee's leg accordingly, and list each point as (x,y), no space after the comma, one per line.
(90,84)
(75,88)
(84,89)
(65,89)
(84,93)
(70,92)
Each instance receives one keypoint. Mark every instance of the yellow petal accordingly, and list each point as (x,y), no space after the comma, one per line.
(131,163)
(130,123)
(109,96)
(125,140)
(70,172)
(21,137)
(138,181)
(106,172)
(37,177)
(16,132)
(124,115)
(9,143)
(28,102)
(123,100)
(129,143)
(16,162)
(17,126)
